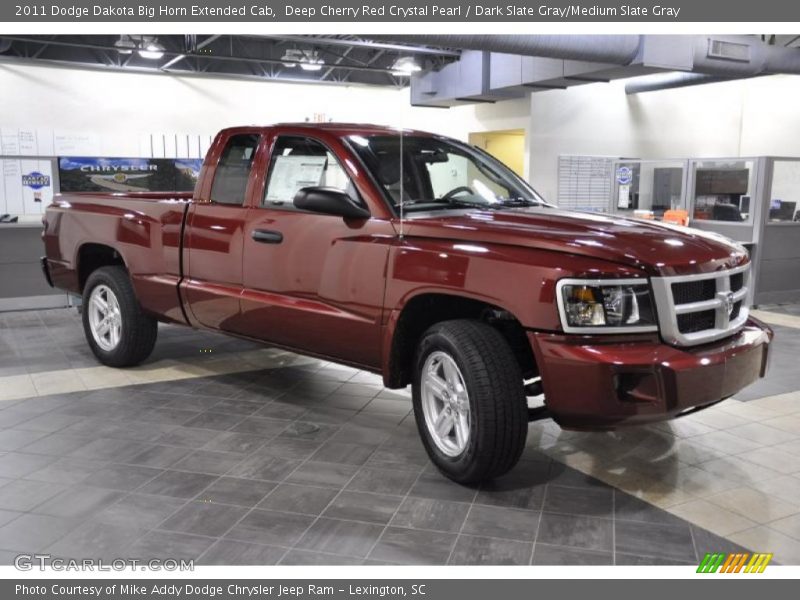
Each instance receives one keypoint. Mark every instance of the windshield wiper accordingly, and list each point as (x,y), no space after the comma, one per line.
(519,202)
(443,204)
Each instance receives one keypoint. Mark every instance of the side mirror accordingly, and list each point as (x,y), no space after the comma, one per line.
(329,201)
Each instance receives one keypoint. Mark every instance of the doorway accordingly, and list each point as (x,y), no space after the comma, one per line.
(507,146)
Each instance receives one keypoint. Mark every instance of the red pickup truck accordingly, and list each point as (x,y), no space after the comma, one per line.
(426,260)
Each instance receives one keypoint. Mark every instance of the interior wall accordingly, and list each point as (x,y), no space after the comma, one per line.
(739,118)
(120,107)
(507,146)
(751,117)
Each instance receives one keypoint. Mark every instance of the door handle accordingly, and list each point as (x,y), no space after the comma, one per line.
(266,236)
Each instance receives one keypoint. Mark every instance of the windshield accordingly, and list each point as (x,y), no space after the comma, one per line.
(436,173)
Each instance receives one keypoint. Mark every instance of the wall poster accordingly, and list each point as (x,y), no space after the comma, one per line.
(92,174)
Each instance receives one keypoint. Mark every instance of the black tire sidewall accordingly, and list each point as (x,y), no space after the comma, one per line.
(125,353)
(455,465)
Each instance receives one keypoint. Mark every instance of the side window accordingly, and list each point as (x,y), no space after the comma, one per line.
(233,170)
(299,162)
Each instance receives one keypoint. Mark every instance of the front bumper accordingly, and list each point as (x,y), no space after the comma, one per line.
(596,383)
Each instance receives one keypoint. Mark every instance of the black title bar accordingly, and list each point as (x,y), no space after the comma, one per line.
(352,11)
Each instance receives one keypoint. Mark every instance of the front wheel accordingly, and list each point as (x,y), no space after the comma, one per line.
(469,400)
(118,332)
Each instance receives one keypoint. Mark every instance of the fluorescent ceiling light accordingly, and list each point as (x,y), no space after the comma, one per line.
(308,60)
(151,49)
(405,66)
(312,66)
(311,61)
(292,55)
(125,45)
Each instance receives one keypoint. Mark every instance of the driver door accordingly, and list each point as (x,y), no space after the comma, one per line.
(313,282)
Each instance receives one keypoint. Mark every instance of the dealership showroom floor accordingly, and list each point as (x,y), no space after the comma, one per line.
(230,453)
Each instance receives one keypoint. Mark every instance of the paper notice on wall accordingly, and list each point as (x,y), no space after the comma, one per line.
(44,142)
(205,142)
(159,145)
(12,186)
(28,143)
(624,197)
(170,145)
(291,173)
(76,144)
(145,145)
(9,142)
(182,145)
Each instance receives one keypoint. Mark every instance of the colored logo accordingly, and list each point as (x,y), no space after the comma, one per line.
(36,180)
(738,562)
(624,175)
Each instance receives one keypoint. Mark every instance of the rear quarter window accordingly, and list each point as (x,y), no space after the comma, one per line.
(233,170)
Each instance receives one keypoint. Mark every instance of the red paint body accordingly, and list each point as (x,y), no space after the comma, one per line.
(336,287)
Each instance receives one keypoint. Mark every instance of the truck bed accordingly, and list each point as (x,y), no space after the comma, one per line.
(143,228)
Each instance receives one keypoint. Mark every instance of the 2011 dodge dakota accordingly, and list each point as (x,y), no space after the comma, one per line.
(425,260)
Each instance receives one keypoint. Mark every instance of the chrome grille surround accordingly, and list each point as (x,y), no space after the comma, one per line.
(723,304)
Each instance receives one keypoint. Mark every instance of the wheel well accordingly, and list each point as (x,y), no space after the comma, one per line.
(93,256)
(421,312)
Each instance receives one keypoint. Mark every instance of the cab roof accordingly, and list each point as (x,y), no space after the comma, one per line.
(342,129)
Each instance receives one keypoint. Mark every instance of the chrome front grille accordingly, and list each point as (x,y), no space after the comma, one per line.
(697,309)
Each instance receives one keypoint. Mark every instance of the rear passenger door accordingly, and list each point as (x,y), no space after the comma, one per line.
(213,237)
(313,282)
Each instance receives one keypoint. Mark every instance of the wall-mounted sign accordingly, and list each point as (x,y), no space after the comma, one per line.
(91,174)
(624,196)
(624,175)
(26,186)
(36,180)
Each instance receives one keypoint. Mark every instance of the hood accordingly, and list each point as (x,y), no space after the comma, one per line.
(656,248)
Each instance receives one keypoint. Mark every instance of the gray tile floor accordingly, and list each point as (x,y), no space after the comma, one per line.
(305,464)
(47,340)
(784,376)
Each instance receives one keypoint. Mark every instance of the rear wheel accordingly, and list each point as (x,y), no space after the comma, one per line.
(118,332)
(469,401)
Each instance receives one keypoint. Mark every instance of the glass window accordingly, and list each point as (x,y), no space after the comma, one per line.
(785,198)
(298,162)
(430,173)
(648,188)
(723,190)
(233,171)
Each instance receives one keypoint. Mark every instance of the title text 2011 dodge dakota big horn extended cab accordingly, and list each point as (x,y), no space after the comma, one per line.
(426,260)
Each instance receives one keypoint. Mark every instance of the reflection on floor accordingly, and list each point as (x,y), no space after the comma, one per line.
(246,455)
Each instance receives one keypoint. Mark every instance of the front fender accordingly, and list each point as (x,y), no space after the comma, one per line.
(518,280)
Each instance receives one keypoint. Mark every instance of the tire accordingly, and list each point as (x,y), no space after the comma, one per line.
(134,333)
(498,412)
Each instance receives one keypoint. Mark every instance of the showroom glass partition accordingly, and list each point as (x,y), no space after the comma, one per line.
(649,185)
(752,200)
(726,195)
(778,258)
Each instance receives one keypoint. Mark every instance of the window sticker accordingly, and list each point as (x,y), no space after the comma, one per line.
(291,173)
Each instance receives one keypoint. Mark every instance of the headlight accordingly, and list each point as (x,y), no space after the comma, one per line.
(605,305)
